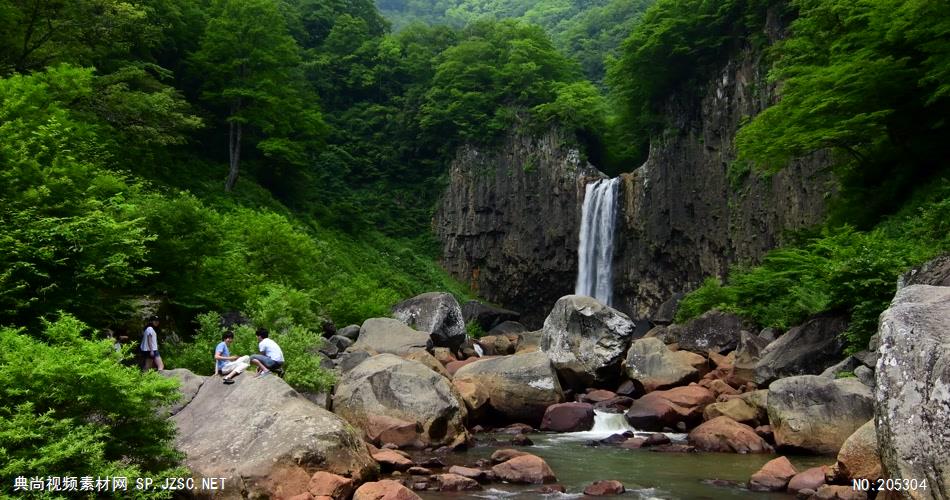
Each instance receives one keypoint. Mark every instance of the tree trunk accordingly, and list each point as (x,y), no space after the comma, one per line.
(234,151)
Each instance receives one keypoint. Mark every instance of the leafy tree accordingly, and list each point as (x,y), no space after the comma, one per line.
(70,408)
(250,66)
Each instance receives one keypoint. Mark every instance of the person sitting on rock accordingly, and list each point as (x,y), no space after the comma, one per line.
(270,358)
(226,364)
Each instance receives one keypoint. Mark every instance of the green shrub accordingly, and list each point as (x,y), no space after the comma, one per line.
(474,330)
(70,408)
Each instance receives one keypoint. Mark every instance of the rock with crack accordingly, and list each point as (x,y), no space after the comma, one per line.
(266,439)
(436,313)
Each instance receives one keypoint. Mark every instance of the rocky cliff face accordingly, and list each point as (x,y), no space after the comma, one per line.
(684,216)
(509,219)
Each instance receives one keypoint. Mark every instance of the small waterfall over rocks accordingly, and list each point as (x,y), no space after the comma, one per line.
(595,249)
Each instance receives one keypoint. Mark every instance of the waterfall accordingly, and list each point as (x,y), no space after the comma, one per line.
(595,249)
(609,423)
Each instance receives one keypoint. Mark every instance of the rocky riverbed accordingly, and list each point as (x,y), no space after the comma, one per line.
(593,402)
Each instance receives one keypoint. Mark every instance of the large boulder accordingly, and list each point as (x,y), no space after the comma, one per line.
(654,366)
(387,489)
(713,331)
(586,340)
(519,387)
(387,335)
(407,390)
(773,476)
(568,417)
(805,350)
(859,457)
(189,384)
(487,316)
(912,406)
(723,434)
(816,414)
(526,468)
(435,313)
(660,409)
(266,439)
(747,356)
(736,409)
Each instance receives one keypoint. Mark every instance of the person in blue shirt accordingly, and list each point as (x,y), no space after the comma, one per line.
(226,364)
(270,358)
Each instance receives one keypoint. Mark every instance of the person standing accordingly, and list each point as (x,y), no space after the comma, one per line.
(270,358)
(149,346)
(226,364)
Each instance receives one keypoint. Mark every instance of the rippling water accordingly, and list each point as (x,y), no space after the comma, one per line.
(645,474)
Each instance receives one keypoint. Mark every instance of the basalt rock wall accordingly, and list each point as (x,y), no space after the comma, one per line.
(685,216)
(509,218)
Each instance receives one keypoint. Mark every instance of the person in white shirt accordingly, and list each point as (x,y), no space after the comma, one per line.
(149,346)
(270,358)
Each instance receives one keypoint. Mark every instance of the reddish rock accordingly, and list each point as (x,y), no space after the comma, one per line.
(387,489)
(634,443)
(482,476)
(551,488)
(381,430)
(604,488)
(723,362)
(453,366)
(506,454)
(719,388)
(418,471)
(630,388)
(455,482)
(516,429)
(724,434)
(568,417)
(810,479)
(302,496)
(773,476)
(598,395)
(392,460)
(832,492)
(697,361)
(443,355)
(331,485)
(524,469)
(660,409)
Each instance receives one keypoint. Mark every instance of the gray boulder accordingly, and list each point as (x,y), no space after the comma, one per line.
(654,366)
(351,332)
(435,313)
(713,331)
(666,313)
(190,384)
(508,328)
(390,386)
(265,439)
(816,414)
(586,340)
(846,366)
(935,272)
(386,335)
(912,406)
(748,354)
(349,360)
(487,316)
(865,375)
(519,387)
(340,342)
(804,350)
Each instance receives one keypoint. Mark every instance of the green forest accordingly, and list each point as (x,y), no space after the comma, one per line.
(283,158)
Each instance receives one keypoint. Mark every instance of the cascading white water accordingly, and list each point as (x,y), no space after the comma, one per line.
(595,249)
(610,423)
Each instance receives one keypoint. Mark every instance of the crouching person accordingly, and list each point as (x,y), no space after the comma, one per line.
(270,358)
(226,364)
